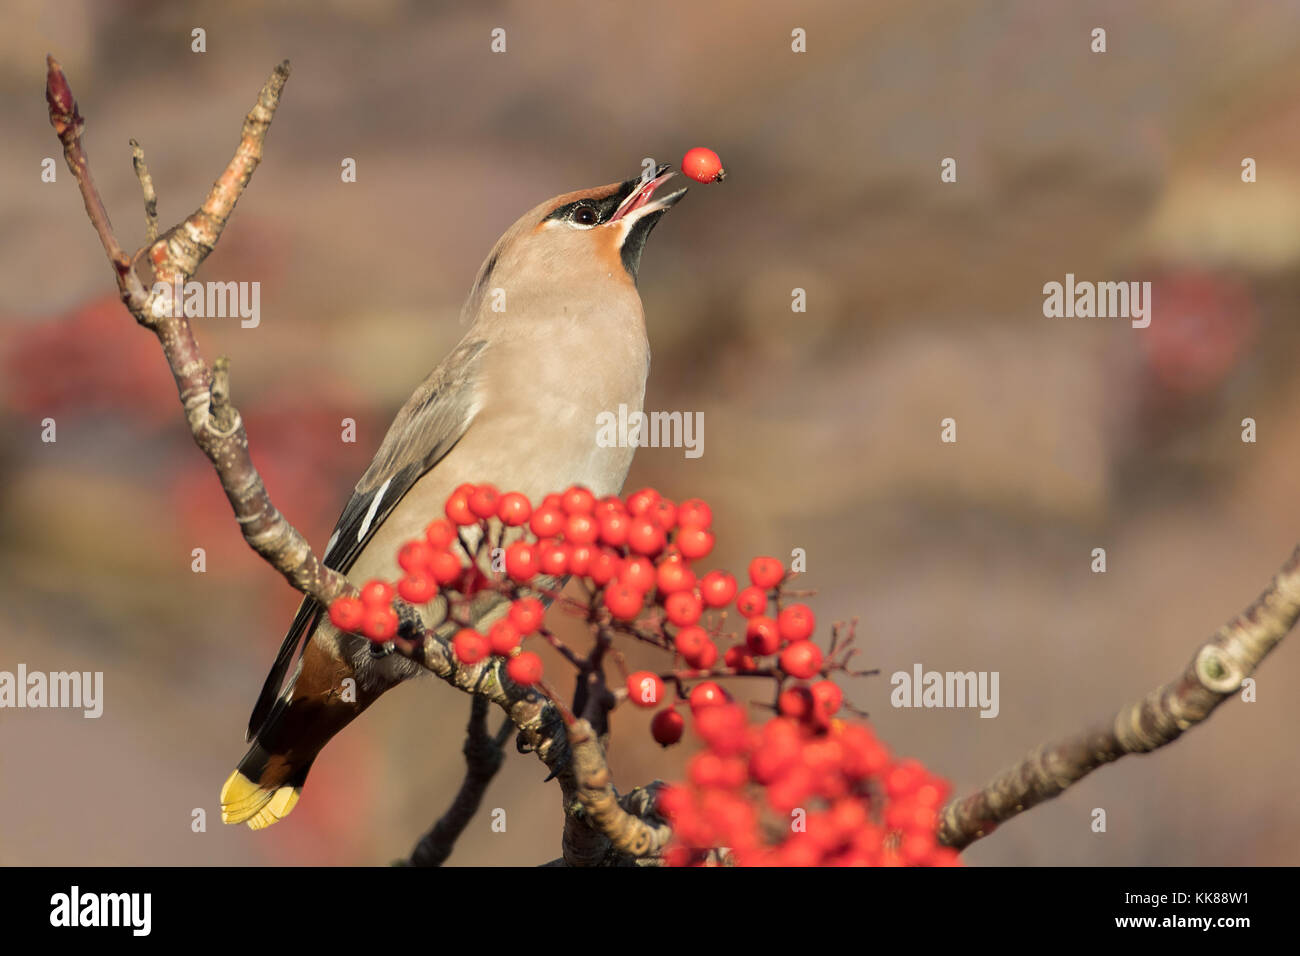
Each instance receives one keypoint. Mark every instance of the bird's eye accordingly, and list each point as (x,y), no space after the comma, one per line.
(585,215)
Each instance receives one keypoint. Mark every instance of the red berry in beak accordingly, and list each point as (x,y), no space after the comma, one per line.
(703,165)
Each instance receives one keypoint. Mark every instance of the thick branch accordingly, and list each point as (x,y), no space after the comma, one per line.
(483,758)
(1159,718)
(624,832)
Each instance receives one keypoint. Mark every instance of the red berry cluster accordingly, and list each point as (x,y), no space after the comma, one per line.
(635,557)
(800,792)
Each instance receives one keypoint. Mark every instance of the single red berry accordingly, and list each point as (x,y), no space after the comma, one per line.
(639,501)
(802,659)
(718,588)
(418,588)
(865,756)
(646,537)
(470,646)
(778,751)
(766,572)
(526,614)
(553,558)
(503,637)
(415,556)
(932,793)
(380,623)
(580,558)
(663,513)
(703,165)
(483,502)
(916,848)
(724,728)
(751,601)
(706,694)
(581,528)
(638,572)
(706,658)
(673,802)
(795,622)
(547,522)
(694,513)
(522,563)
(376,594)
(683,607)
(690,641)
(761,636)
(514,509)
(347,613)
(610,504)
(445,567)
(667,727)
(553,500)
(458,510)
(708,770)
(674,575)
(644,688)
(739,659)
(605,566)
(904,777)
(614,527)
(796,702)
(694,543)
(440,534)
(624,601)
(828,696)
(578,501)
(847,816)
(525,668)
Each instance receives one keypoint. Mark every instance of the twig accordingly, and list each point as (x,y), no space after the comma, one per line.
(146,187)
(484,755)
(68,125)
(1159,718)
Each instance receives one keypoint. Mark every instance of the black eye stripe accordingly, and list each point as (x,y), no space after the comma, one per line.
(604,208)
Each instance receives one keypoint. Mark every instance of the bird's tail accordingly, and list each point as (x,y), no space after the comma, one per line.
(247,797)
(266,785)
(263,788)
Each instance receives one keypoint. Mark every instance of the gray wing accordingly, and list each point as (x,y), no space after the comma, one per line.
(429,425)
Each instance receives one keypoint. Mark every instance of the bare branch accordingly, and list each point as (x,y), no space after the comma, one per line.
(214,423)
(68,124)
(1214,674)
(483,758)
(181,251)
(146,188)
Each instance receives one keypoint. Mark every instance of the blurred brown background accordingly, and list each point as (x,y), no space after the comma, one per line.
(821,429)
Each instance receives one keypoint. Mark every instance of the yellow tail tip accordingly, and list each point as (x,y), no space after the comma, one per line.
(243,801)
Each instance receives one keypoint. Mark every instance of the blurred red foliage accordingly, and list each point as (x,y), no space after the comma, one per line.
(92,361)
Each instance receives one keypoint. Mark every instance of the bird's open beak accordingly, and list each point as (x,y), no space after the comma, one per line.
(639,201)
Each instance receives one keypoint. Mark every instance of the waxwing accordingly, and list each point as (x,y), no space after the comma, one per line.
(556,337)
